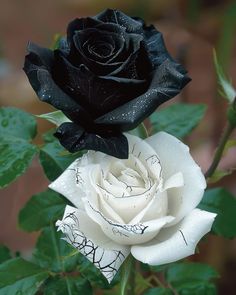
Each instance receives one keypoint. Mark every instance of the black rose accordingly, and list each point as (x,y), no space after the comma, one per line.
(110,73)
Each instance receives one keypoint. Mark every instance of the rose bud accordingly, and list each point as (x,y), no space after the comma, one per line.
(109,74)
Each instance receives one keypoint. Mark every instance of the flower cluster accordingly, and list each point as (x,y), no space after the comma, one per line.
(128,195)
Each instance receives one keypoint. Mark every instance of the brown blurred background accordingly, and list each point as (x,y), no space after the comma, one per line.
(191,29)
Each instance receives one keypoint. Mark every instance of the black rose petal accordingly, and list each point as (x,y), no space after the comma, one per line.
(64,46)
(111,27)
(41,56)
(104,93)
(118,17)
(155,46)
(168,81)
(103,66)
(97,63)
(137,65)
(67,78)
(80,24)
(38,70)
(75,138)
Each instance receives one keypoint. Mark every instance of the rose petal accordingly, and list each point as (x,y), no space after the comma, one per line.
(86,236)
(156,46)
(146,154)
(156,208)
(45,55)
(176,180)
(126,234)
(175,157)
(176,242)
(104,94)
(41,80)
(167,82)
(71,184)
(80,24)
(128,207)
(74,138)
(84,39)
(118,17)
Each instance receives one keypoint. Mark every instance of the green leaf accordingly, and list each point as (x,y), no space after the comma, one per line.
(54,159)
(20,277)
(17,128)
(178,119)
(68,285)
(17,123)
(56,117)
(53,253)
(202,289)
(41,210)
(16,156)
(158,291)
(191,278)
(4,254)
(222,202)
(48,136)
(227,90)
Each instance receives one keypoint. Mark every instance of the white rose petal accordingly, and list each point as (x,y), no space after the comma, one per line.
(146,203)
(176,242)
(127,234)
(175,157)
(85,235)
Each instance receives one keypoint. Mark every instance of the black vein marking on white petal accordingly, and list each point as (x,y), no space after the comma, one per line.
(79,178)
(137,229)
(129,174)
(87,247)
(132,151)
(183,237)
(108,194)
(130,187)
(118,232)
(154,159)
(148,177)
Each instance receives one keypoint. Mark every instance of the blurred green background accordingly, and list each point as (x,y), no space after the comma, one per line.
(191,28)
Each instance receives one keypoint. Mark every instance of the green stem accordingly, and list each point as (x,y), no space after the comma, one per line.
(144,131)
(128,277)
(219,151)
(132,277)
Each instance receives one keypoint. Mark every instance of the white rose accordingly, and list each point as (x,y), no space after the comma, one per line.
(145,205)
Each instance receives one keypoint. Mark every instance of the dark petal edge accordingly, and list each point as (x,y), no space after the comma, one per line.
(74,138)
(118,17)
(80,24)
(38,70)
(167,82)
(155,46)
